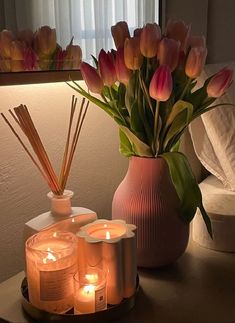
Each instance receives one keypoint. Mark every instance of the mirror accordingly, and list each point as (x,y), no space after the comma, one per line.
(74,24)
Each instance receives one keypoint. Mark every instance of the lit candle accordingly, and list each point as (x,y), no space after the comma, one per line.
(89,291)
(51,261)
(111,245)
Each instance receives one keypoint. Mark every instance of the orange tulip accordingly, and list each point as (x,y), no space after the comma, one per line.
(161,85)
(123,73)
(72,57)
(45,41)
(107,68)
(6,38)
(220,82)
(195,61)
(168,52)
(120,32)
(149,40)
(178,30)
(92,78)
(132,55)
(17,56)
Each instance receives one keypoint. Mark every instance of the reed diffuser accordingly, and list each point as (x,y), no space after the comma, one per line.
(61,216)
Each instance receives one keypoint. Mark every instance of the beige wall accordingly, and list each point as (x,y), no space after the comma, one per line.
(97,169)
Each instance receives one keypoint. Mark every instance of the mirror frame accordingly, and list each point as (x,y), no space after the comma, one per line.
(21,78)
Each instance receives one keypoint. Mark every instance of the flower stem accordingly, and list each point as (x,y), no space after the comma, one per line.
(156,117)
(185,88)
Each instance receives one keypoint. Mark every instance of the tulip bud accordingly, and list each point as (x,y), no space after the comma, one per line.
(178,30)
(73,57)
(120,32)
(161,85)
(149,40)
(45,41)
(92,78)
(107,68)
(168,52)
(220,82)
(197,41)
(123,73)
(195,61)
(25,36)
(6,37)
(132,55)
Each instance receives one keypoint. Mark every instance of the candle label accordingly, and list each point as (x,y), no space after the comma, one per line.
(100,299)
(57,284)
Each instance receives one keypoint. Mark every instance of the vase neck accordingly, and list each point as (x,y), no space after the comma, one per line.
(149,167)
(61,204)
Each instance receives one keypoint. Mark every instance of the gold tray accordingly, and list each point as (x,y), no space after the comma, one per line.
(111,314)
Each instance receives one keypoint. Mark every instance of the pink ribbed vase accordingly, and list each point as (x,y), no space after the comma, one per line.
(147,198)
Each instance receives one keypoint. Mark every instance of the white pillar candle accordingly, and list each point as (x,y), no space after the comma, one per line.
(90,291)
(51,262)
(111,245)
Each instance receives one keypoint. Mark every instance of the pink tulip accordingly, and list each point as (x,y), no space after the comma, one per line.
(178,30)
(195,61)
(220,82)
(137,32)
(30,60)
(45,41)
(161,84)
(168,52)
(92,78)
(107,68)
(6,38)
(197,41)
(73,57)
(60,58)
(120,32)
(25,36)
(132,55)
(149,40)
(123,73)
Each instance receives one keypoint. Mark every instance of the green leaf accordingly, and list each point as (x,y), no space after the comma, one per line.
(130,92)
(136,122)
(177,108)
(186,187)
(140,148)
(171,137)
(125,146)
(95,61)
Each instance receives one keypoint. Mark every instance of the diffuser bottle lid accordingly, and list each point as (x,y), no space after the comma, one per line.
(61,204)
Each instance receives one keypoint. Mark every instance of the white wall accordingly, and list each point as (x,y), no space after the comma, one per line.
(96,172)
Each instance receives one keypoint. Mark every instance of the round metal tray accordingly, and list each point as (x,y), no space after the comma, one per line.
(111,314)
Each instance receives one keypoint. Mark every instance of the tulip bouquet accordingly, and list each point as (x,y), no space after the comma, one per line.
(148,87)
(28,51)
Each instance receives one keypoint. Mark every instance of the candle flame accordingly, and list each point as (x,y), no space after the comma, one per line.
(107,235)
(54,235)
(73,220)
(89,289)
(105,225)
(91,278)
(49,256)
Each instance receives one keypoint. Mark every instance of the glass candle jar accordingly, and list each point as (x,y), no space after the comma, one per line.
(51,262)
(89,291)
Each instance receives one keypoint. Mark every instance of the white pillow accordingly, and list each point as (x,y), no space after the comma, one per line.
(213,134)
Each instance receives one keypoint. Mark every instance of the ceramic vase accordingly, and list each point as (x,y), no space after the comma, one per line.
(147,198)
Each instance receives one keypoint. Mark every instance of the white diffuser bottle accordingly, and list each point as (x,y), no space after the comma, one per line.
(61,217)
